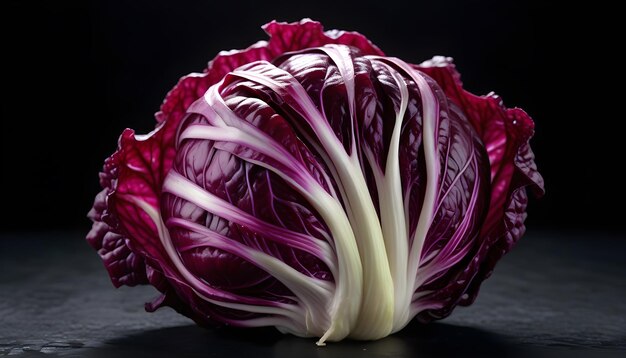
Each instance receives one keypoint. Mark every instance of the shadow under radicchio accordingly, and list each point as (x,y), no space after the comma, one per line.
(432,340)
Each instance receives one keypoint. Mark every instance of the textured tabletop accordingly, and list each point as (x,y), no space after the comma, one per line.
(554,295)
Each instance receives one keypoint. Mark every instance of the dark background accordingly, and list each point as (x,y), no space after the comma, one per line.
(74,75)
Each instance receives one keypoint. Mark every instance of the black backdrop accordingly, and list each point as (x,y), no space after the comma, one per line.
(74,75)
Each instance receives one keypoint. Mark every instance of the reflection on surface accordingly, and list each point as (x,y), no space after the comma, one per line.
(433,340)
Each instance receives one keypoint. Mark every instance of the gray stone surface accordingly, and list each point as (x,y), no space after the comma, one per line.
(555,295)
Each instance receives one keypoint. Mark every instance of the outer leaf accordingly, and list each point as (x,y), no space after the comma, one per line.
(505,134)
(123,265)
